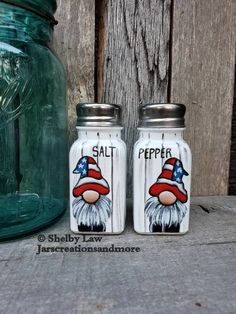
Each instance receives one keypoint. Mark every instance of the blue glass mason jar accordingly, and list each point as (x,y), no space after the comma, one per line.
(33,119)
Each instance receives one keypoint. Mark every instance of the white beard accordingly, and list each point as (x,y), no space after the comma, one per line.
(92,214)
(163,215)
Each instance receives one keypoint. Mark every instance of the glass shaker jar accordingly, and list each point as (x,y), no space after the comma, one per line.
(98,171)
(33,119)
(162,171)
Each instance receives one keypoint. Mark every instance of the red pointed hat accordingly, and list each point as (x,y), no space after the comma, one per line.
(171,179)
(90,177)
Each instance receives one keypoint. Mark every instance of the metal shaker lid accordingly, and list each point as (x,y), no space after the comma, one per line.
(98,115)
(162,116)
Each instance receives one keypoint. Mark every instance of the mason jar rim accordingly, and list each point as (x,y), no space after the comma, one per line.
(35,9)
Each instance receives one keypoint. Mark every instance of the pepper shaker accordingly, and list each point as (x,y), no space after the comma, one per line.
(98,171)
(162,171)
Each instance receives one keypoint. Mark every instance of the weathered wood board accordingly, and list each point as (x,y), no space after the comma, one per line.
(133,59)
(202,77)
(74,43)
(232,170)
(132,52)
(194,273)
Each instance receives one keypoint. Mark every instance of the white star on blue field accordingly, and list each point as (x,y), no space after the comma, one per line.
(82,167)
(179,172)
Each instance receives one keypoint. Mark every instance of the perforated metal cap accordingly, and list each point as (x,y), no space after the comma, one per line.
(162,116)
(98,115)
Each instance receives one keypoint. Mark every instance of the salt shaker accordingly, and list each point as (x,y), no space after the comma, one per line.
(98,171)
(162,171)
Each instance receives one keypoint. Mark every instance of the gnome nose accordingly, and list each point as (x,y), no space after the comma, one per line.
(167,198)
(90,196)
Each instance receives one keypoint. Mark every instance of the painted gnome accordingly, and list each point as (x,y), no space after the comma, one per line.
(166,208)
(91,207)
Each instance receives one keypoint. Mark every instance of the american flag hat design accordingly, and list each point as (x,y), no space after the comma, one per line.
(171,180)
(90,177)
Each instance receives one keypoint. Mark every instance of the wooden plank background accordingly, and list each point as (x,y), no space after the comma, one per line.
(202,76)
(133,68)
(136,51)
(232,170)
(74,42)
